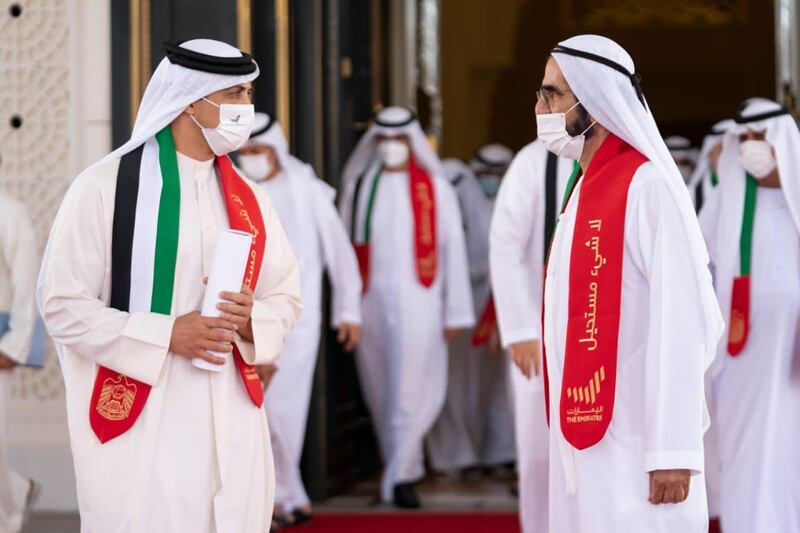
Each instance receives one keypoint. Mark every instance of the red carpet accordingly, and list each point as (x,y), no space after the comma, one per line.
(412,523)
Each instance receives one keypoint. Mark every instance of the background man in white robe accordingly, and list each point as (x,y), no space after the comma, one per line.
(475,428)
(18,263)
(684,155)
(490,164)
(704,178)
(643,471)
(755,379)
(198,457)
(524,218)
(702,185)
(455,441)
(320,242)
(402,358)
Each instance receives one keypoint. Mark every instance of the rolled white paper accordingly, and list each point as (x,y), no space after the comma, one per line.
(227,273)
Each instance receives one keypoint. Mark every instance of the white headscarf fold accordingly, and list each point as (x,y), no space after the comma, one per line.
(268,132)
(492,156)
(681,148)
(703,166)
(173,87)
(614,99)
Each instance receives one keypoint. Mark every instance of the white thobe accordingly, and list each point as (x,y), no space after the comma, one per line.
(402,358)
(659,412)
(18,263)
(319,240)
(517,259)
(475,426)
(198,458)
(757,393)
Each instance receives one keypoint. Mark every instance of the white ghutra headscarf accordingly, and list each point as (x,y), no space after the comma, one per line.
(190,71)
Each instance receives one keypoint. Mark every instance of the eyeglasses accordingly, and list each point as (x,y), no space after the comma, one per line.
(548,94)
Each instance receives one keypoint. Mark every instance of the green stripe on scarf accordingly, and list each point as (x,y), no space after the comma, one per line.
(746,237)
(576,172)
(168,224)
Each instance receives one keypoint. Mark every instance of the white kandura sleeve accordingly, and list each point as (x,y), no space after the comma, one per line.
(674,400)
(340,259)
(19,253)
(517,209)
(459,312)
(76,263)
(277,301)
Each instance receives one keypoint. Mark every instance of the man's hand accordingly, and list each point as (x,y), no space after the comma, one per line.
(266,372)
(6,363)
(349,335)
(527,357)
(452,333)
(194,335)
(669,486)
(237,308)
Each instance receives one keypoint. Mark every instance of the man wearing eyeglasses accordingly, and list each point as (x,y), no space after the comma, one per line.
(630,319)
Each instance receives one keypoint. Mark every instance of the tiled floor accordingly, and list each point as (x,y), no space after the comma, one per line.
(442,494)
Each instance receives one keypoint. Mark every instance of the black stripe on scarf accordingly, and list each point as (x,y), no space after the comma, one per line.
(551,199)
(122,232)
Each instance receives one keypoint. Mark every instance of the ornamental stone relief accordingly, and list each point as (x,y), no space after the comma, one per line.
(34,139)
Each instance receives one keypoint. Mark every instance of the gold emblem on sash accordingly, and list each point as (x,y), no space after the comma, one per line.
(738,327)
(427,264)
(116,398)
(588,397)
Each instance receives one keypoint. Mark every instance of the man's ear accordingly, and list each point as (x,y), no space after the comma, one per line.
(190,109)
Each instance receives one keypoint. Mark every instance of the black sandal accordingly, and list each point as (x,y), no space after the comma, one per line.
(279,522)
(302,517)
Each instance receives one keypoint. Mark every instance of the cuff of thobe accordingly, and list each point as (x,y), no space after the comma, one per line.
(527,334)
(143,347)
(268,337)
(679,460)
(11,348)
(347,318)
(460,322)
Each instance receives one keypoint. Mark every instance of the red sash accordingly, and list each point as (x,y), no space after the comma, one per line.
(244,214)
(486,324)
(423,204)
(595,284)
(117,400)
(740,315)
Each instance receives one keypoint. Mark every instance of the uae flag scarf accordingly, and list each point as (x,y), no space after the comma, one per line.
(144,251)
(595,290)
(423,204)
(740,296)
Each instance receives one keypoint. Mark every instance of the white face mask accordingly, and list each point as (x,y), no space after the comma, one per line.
(552,131)
(490,185)
(235,126)
(393,153)
(756,158)
(256,166)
